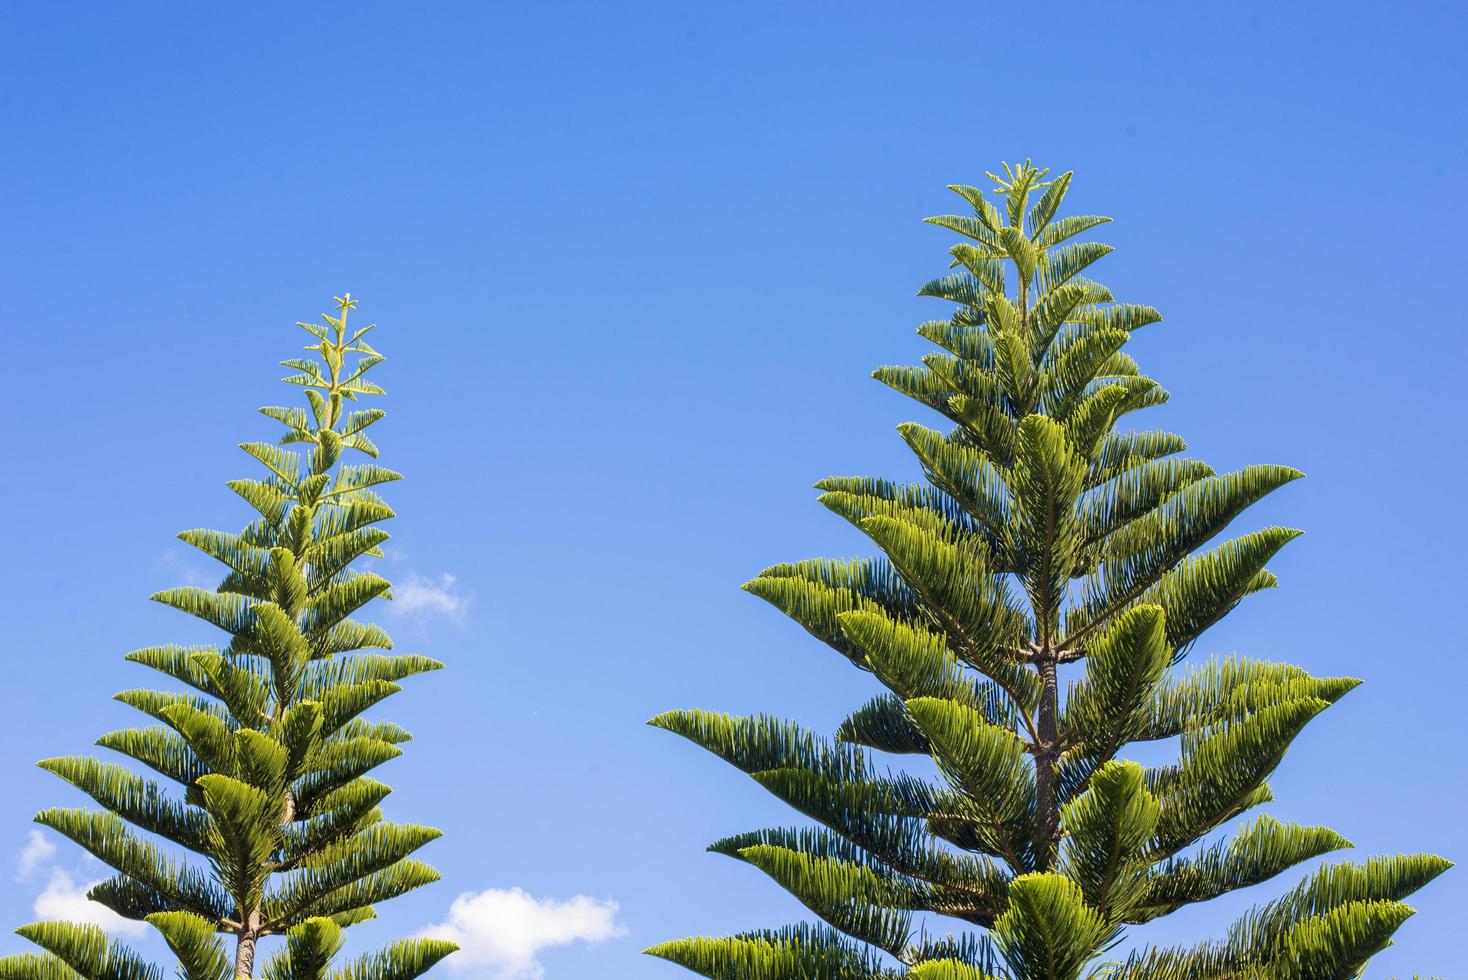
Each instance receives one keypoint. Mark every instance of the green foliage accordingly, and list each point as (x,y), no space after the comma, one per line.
(1046,537)
(268,752)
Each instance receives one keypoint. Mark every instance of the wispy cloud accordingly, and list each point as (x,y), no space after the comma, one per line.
(64,897)
(36,854)
(500,932)
(182,568)
(424,598)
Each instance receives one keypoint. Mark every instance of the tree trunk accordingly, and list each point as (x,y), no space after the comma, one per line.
(244,955)
(1047,813)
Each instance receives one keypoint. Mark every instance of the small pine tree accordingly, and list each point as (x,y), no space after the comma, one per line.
(1045,538)
(268,752)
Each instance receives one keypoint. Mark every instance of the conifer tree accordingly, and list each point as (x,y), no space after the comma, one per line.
(1034,594)
(265,821)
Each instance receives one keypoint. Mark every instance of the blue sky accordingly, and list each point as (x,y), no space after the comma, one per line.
(632,266)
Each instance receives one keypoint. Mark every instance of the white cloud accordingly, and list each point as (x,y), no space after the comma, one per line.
(38,851)
(424,597)
(64,898)
(500,931)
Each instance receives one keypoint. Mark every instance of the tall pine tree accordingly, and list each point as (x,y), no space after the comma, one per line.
(1047,540)
(265,822)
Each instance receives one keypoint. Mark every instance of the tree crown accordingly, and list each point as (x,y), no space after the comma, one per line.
(265,757)
(1046,538)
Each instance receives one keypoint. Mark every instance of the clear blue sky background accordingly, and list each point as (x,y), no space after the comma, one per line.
(633,264)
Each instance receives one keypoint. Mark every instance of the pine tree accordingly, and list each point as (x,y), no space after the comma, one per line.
(267,754)
(1045,540)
